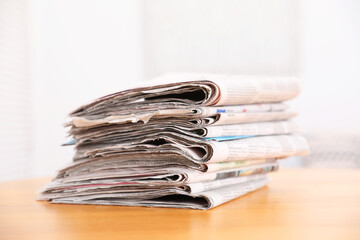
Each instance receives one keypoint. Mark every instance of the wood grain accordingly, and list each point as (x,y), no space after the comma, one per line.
(298,204)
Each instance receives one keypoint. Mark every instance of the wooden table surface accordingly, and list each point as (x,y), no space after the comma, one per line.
(298,204)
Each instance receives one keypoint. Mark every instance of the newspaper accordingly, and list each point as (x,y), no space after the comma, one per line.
(135,163)
(157,176)
(193,184)
(234,114)
(200,151)
(183,140)
(179,98)
(145,179)
(176,198)
(189,128)
(91,191)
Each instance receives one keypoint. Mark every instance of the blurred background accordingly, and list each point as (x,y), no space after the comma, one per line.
(58,54)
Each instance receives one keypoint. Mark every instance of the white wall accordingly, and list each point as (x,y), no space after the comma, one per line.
(232,36)
(82,50)
(16,149)
(329,66)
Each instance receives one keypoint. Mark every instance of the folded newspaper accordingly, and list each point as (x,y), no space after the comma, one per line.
(182,140)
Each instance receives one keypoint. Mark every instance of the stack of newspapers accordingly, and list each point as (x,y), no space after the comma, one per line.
(183,140)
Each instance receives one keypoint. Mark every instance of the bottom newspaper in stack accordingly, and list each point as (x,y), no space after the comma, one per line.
(173,187)
(164,179)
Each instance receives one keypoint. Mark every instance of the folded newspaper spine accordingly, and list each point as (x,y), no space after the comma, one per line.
(184,141)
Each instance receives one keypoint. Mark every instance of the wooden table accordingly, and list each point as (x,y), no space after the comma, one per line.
(298,204)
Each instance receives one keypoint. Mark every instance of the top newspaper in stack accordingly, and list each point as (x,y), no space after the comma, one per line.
(182,98)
